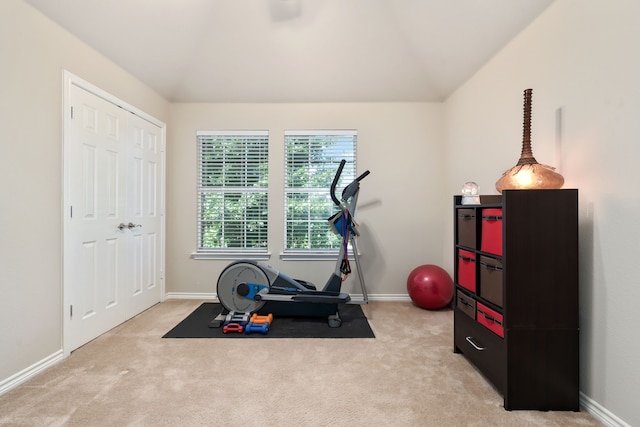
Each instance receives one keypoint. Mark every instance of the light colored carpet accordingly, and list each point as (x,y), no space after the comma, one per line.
(407,376)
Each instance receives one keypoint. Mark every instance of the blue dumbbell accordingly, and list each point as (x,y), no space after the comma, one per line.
(253,327)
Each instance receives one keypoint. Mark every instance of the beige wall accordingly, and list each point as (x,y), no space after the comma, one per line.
(581,57)
(399,204)
(33,53)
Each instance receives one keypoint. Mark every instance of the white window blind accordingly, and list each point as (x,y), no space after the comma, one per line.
(311,161)
(232,190)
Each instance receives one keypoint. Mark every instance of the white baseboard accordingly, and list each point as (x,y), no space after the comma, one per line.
(601,413)
(191,295)
(33,370)
(214,296)
(387,297)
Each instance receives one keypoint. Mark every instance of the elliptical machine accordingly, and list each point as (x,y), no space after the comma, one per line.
(248,286)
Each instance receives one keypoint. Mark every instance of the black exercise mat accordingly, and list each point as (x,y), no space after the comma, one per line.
(354,325)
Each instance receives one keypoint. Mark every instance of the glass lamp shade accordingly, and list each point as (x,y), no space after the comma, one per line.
(528,176)
(528,173)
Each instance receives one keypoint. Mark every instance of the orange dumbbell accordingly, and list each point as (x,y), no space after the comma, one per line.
(258,320)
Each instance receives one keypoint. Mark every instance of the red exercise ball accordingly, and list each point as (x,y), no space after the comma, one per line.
(430,287)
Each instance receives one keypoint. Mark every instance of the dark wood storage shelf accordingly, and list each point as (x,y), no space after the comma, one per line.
(528,294)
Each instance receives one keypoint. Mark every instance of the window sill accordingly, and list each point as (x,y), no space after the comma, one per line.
(265,256)
(311,256)
(231,255)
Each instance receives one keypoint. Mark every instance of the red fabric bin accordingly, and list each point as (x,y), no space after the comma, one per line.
(491,239)
(467,269)
(489,318)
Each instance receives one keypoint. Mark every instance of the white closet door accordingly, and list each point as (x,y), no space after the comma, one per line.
(113,238)
(144,207)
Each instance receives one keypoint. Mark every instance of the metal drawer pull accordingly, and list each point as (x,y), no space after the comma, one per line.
(463,302)
(492,217)
(489,318)
(490,266)
(476,346)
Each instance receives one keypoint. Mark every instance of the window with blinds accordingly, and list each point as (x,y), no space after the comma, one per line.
(311,161)
(232,190)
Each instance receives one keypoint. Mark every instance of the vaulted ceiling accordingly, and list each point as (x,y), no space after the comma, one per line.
(297,50)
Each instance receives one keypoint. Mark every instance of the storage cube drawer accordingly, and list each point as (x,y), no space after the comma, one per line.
(467,269)
(466,304)
(489,318)
(482,347)
(491,279)
(491,238)
(467,228)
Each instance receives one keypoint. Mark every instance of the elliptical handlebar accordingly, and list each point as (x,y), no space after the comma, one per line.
(363,175)
(334,184)
(349,189)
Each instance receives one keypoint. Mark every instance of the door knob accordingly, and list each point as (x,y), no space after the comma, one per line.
(130,226)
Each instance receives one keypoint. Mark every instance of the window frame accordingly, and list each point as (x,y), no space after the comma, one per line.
(347,176)
(201,252)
